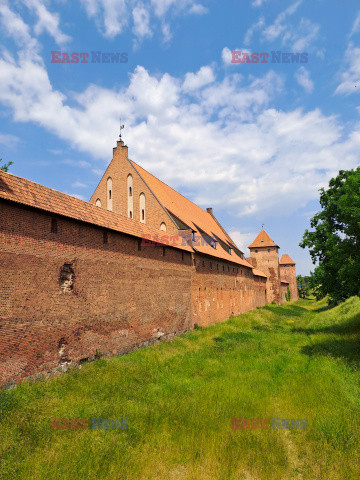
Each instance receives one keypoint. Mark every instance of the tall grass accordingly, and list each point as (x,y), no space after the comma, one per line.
(295,361)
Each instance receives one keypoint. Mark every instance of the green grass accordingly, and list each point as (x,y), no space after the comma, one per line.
(299,360)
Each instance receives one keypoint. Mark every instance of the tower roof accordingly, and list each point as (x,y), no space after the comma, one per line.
(286,260)
(263,240)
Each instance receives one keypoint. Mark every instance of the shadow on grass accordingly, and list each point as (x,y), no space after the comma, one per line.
(343,348)
(288,311)
(350,327)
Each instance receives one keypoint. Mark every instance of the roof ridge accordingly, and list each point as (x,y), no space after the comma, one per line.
(173,189)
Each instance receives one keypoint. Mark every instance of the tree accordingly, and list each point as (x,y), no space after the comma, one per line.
(303,285)
(288,294)
(335,241)
(6,166)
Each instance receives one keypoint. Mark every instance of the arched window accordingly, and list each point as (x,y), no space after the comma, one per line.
(163,226)
(130,196)
(98,202)
(109,194)
(142,208)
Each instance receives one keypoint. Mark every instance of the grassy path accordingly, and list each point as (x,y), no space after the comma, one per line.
(296,361)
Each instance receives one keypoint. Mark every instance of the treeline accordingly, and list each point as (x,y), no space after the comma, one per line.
(334,241)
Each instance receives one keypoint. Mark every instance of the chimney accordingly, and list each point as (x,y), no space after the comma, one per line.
(209,210)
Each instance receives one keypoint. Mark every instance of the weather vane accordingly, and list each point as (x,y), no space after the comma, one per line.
(262,226)
(121,127)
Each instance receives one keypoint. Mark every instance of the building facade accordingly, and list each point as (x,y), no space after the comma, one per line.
(136,264)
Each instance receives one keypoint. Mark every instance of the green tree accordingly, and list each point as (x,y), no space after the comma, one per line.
(335,241)
(288,294)
(303,285)
(6,166)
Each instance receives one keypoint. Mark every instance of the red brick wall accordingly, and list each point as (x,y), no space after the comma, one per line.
(220,289)
(119,169)
(266,259)
(288,273)
(121,296)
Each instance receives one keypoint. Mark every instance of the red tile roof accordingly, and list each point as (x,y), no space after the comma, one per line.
(188,212)
(259,273)
(286,260)
(25,192)
(263,240)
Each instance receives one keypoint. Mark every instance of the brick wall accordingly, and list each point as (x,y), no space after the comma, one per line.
(221,289)
(266,259)
(118,170)
(69,289)
(120,296)
(288,273)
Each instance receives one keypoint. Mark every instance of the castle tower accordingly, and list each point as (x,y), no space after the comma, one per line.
(288,273)
(264,256)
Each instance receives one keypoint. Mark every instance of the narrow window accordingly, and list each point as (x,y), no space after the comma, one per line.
(203,264)
(164,251)
(54,225)
(217,267)
(223,268)
(109,195)
(130,200)
(142,208)
(105,236)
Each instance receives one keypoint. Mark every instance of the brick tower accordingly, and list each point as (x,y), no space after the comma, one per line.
(288,273)
(264,256)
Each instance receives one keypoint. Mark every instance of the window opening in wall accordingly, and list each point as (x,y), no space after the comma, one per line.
(142,214)
(164,251)
(105,236)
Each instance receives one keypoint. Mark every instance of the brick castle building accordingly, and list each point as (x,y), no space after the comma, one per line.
(137,263)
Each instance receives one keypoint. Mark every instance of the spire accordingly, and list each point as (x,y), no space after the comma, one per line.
(263,240)
(121,127)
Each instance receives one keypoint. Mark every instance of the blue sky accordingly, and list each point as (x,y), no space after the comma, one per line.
(253,141)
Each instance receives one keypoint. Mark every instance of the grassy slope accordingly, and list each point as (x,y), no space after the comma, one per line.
(294,361)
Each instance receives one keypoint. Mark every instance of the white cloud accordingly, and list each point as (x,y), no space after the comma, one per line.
(113,17)
(16,28)
(9,140)
(356,25)
(277,28)
(350,78)
(298,37)
(243,240)
(250,31)
(47,21)
(198,9)
(302,76)
(258,3)
(225,143)
(141,19)
(78,185)
(226,54)
(195,81)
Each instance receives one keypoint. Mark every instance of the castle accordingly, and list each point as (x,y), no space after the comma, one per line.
(138,263)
